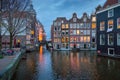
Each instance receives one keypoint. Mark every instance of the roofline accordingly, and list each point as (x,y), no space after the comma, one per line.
(108,8)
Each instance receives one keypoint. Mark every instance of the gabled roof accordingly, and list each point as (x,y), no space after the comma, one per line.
(110,3)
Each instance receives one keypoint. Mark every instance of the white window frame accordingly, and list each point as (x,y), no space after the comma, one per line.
(109,40)
(109,51)
(102,26)
(118,43)
(110,29)
(109,15)
(101,43)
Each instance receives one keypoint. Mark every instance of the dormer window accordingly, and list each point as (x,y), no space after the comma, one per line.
(84,19)
(74,19)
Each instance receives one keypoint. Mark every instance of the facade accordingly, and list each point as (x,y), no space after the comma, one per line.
(108,31)
(56,34)
(74,33)
(80,32)
(93,32)
(26,33)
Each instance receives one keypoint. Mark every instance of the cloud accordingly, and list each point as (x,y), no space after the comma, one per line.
(48,10)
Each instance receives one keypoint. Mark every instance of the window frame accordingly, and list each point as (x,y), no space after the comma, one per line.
(102,28)
(118,25)
(109,39)
(109,14)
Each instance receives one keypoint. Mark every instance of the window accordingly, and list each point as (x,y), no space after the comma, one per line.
(88,32)
(74,19)
(74,32)
(111,51)
(81,39)
(84,19)
(93,19)
(88,39)
(93,25)
(63,26)
(71,25)
(74,25)
(110,39)
(78,32)
(118,23)
(110,13)
(102,39)
(71,39)
(71,32)
(55,28)
(93,39)
(66,25)
(110,25)
(102,26)
(78,25)
(118,39)
(85,39)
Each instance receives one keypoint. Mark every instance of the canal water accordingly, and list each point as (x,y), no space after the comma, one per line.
(66,65)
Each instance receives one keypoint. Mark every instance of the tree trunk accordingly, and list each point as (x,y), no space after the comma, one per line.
(11,40)
(0,42)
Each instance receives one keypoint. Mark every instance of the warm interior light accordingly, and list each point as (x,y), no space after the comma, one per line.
(32,32)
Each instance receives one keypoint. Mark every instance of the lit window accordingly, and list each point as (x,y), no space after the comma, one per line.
(81,39)
(102,26)
(66,25)
(78,32)
(88,39)
(93,19)
(110,39)
(63,26)
(102,39)
(85,39)
(110,13)
(110,25)
(71,39)
(93,25)
(118,39)
(63,39)
(118,23)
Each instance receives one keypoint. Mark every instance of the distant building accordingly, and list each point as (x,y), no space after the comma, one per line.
(74,33)
(56,34)
(108,28)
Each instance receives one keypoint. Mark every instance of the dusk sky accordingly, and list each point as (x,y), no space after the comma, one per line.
(49,10)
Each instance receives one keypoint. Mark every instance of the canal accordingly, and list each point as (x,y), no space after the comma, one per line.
(66,65)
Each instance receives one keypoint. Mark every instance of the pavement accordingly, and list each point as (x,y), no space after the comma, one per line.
(6,61)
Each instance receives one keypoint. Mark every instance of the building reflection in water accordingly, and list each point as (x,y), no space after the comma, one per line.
(67,65)
(75,65)
(41,58)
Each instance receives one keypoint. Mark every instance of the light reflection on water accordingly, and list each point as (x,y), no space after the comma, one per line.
(67,65)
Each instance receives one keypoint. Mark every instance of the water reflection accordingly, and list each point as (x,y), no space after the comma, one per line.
(67,65)
(74,66)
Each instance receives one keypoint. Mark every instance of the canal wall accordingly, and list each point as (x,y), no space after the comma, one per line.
(8,72)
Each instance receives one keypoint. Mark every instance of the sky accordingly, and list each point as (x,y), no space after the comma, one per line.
(49,10)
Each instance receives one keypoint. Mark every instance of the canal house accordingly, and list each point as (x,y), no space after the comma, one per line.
(108,28)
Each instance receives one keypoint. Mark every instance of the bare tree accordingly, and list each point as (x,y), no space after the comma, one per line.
(15,17)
